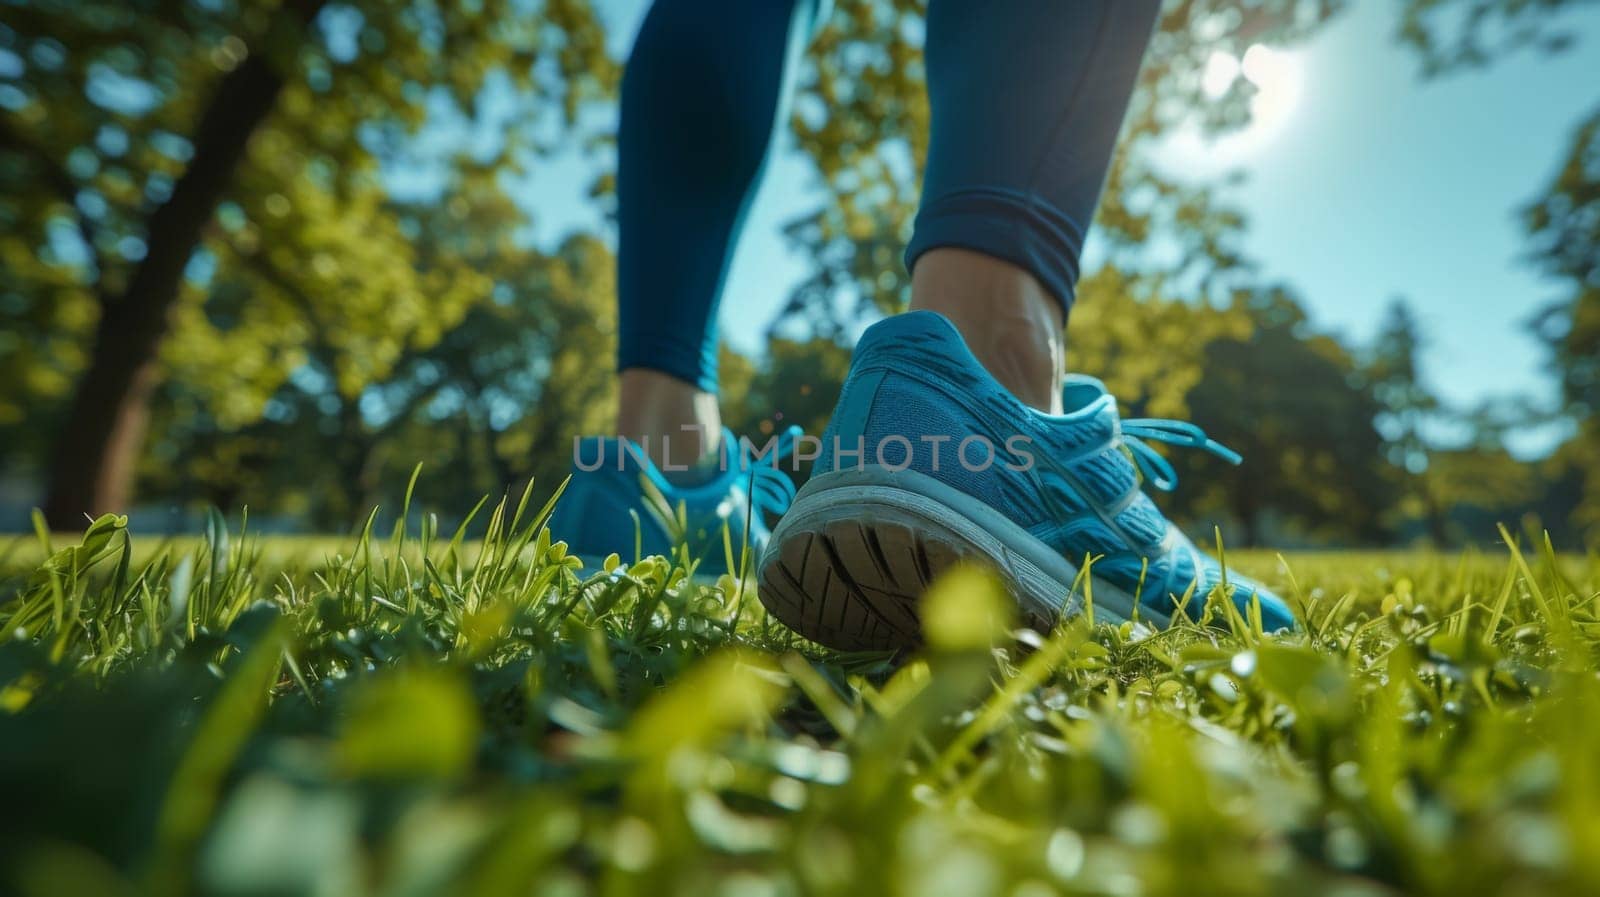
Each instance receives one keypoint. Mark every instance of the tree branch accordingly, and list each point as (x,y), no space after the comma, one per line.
(60,182)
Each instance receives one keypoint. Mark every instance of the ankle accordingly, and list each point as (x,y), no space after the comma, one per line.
(676,425)
(1009,321)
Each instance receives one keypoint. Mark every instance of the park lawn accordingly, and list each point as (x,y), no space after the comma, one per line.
(426,715)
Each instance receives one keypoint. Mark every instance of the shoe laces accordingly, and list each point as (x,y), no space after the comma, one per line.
(771,490)
(1157,470)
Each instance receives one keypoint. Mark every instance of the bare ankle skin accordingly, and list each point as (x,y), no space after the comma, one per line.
(1010,322)
(677,424)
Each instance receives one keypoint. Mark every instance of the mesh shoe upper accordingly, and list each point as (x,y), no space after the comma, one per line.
(917,398)
(618,500)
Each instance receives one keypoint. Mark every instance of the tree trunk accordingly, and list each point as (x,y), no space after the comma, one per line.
(98,445)
(1248,510)
(1438,523)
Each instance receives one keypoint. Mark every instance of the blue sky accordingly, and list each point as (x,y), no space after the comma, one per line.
(1366,185)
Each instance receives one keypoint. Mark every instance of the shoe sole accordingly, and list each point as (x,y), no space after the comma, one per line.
(847,565)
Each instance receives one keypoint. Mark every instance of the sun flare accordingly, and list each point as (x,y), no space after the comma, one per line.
(1277,77)
(1274,79)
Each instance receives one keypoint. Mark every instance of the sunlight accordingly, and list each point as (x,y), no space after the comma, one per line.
(1274,75)
(1222,69)
(1277,78)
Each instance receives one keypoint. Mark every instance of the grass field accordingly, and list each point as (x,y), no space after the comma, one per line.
(437,715)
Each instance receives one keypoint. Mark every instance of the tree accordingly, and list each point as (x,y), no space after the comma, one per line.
(1257,378)
(188,138)
(1565,227)
(795,383)
(1291,402)
(1563,223)
(323,330)
(1394,373)
(1479,486)
(1149,347)
(499,394)
(1448,35)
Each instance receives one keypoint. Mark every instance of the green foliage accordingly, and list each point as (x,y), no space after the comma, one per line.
(1259,380)
(1455,34)
(863,117)
(307,261)
(1291,400)
(501,393)
(796,383)
(1395,372)
(1563,223)
(1148,347)
(1408,405)
(332,327)
(426,715)
(1565,226)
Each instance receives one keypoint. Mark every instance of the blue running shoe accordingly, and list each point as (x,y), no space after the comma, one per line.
(929,461)
(619,502)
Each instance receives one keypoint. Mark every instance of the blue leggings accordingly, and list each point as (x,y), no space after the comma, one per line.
(1027,97)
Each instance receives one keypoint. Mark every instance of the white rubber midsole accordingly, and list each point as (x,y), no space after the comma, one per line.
(1039,576)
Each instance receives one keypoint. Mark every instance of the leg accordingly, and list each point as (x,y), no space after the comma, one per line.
(703,92)
(1010,321)
(1027,99)
(937,452)
(702,95)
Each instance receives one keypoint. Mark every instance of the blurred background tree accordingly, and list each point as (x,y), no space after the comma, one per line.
(193,188)
(1407,405)
(1292,400)
(1565,226)
(214,237)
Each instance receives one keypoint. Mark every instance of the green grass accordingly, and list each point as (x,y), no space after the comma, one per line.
(428,715)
